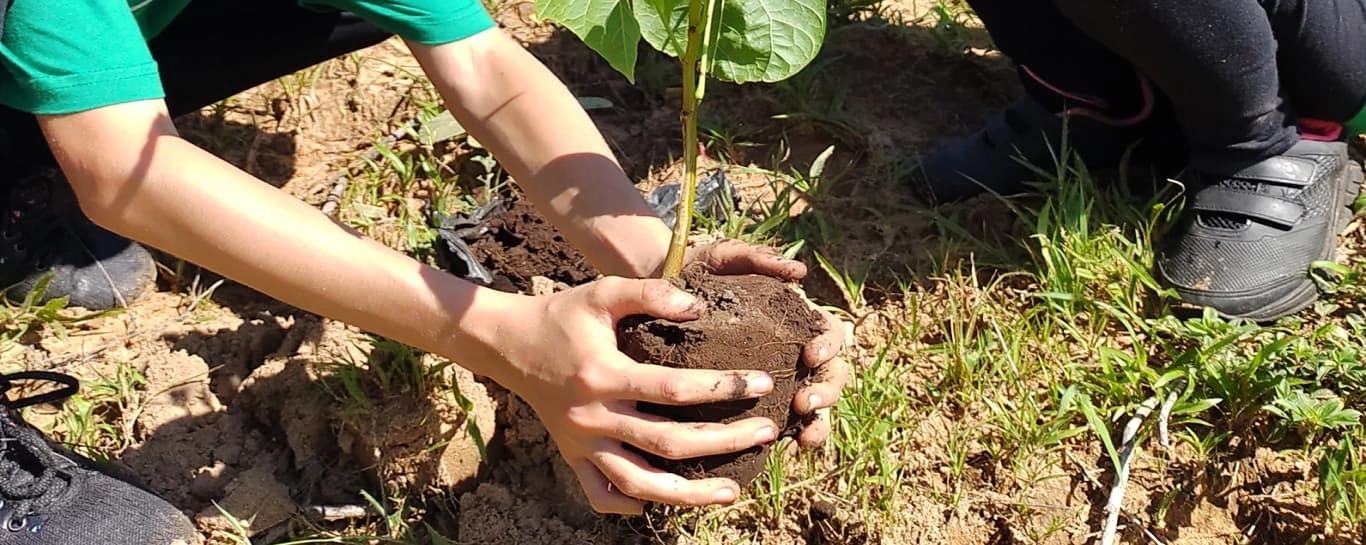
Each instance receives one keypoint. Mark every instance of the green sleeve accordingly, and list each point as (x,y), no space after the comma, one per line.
(63,56)
(428,22)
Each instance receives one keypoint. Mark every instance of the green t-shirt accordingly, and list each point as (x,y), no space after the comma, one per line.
(63,56)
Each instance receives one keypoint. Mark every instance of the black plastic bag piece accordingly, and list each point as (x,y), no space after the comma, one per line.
(711,199)
(455,232)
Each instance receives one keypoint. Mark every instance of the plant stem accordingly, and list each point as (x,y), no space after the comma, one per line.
(694,84)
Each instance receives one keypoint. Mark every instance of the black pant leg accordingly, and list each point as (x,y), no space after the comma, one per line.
(218,48)
(1042,42)
(1215,59)
(1322,55)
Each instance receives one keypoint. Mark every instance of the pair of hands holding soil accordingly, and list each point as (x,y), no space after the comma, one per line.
(585,390)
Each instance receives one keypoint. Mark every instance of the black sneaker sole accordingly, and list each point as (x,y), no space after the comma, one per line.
(1307,292)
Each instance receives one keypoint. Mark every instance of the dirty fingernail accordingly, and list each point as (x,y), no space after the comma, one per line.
(813,401)
(759,384)
(822,352)
(724,495)
(764,435)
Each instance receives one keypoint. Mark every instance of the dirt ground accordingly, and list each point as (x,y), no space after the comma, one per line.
(237,415)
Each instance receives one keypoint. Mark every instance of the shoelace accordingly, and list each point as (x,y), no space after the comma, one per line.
(24,494)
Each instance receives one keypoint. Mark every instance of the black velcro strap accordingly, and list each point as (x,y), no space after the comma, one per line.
(1252,205)
(1291,171)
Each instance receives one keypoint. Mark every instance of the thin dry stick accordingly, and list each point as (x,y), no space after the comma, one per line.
(1163,438)
(1116,502)
(339,182)
(333,513)
(1132,519)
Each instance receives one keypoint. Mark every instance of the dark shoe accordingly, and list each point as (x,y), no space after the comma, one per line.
(47,498)
(1250,232)
(44,232)
(1002,158)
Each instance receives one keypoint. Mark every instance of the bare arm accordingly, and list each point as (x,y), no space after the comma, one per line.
(526,117)
(144,181)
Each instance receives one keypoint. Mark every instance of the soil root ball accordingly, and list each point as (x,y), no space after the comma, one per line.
(752,323)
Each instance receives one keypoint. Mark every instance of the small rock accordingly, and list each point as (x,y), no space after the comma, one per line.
(541,285)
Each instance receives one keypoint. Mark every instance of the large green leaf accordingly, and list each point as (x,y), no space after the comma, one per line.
(607,26)
(754,40)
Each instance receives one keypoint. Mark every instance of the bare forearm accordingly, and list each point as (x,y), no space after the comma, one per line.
(191,204)
(522,113)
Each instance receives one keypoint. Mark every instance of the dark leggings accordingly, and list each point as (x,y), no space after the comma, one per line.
(212,51)
(1238,73)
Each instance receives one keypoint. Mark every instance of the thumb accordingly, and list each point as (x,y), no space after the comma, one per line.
(655,297)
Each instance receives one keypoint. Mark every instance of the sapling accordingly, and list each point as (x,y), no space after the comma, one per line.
(752,321)
(738,41)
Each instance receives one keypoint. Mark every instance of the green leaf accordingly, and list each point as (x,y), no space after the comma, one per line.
(818,165)
(441,128)
(1098,426)
(664,24)
(436,537)
(607,26)
(755,40)
(1069,397)
(1195,407)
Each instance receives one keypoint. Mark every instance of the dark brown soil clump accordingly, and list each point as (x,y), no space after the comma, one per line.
(521,244)
(752,322)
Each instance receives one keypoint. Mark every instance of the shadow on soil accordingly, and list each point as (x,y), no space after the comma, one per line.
(266,155)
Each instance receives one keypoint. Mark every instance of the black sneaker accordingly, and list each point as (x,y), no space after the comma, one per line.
(43,232)
(1002,157)
(1250,232)
(47,497)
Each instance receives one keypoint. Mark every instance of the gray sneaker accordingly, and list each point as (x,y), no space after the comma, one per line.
(43,232)
(49,497)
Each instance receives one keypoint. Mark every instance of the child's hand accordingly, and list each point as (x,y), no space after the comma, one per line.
(561,355)
(822,353)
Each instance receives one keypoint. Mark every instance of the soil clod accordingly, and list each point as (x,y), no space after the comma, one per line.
(520,244)
(752,323)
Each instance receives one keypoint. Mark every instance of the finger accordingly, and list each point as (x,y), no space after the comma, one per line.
(735,257)
(604,497)
(683,440)
(638,479)
(827,345)
(825,390)
(815,432)
(670,386)
(654,297)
